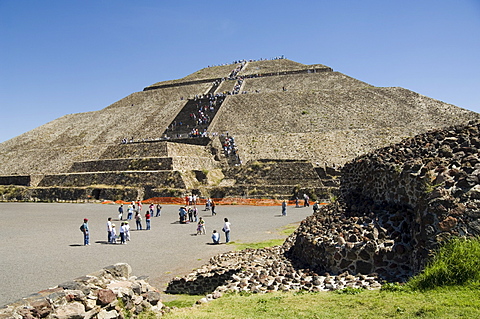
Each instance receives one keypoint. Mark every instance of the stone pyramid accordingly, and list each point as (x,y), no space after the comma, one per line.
(270,128)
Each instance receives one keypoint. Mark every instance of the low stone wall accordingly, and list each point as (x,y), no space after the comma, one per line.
(132,178)
(260,271)
(123,164)
(81,193)
(136,150)
(15,180)
(287,192)
(276,172)
(109,293)
(328,241)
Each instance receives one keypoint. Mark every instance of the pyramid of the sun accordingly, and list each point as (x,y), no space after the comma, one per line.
(285,118)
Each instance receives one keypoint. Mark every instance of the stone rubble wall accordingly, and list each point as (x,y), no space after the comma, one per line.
(109,293)
(397,205)
(260,271)
(328,241)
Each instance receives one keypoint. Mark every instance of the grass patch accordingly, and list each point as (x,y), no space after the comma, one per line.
(455,263)
(258,245)
(182,301)
(289,229)
(449,302)
(285,231)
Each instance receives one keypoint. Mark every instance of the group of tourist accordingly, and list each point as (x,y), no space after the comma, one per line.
(229,147)
(280,57)
(187,215)
(113,237)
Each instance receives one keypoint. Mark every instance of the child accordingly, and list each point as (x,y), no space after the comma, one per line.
(114,234)
(201,226)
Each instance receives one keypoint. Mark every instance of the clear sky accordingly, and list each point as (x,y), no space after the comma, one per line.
(59,57)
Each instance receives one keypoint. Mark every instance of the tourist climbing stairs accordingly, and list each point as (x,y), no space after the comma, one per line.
(196,115)
(229,149)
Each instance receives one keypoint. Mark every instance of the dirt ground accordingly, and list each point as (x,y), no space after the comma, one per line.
(41,245)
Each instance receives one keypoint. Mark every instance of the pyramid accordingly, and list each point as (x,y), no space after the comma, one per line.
(287,124)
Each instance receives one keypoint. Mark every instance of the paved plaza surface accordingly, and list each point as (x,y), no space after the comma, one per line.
(41,244)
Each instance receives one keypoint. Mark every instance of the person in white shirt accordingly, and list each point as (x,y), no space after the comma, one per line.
(226,229)
(114,234)
(216,237)
(109,230)
(123,234)
(127,231)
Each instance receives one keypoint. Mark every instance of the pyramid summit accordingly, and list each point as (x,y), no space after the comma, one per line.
(266,128)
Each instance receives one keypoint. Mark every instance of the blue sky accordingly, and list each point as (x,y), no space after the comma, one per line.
(62,57)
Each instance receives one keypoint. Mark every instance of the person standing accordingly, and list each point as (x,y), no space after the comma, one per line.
(315,207)
(114,234)
(122,233)
(159,210)
(182,212)
(127,231)
(201,227)
(120,212)
(138,220)
(195,214)
(129,212)
(86,232)
(147,220)
(109,230)
(284,208)
(226,229)
(306,200)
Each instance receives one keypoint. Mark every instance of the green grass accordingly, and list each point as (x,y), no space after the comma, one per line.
(284,231)
(449,287)
(455,263)
(182,301)
(448,302)
(263,244)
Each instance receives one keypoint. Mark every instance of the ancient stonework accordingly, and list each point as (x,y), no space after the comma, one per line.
(396,206)
(108,293)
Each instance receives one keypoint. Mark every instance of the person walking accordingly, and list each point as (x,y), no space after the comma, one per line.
(86,232)
(213,208)
(226,229)
(284,208)
(159,210)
